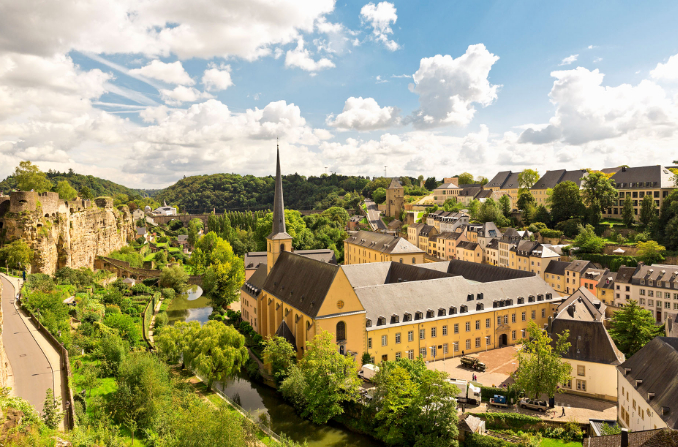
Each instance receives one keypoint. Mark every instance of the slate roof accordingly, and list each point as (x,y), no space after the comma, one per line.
(256,282)
(582,305)
(426,230)
(493,245)
(553,178)
(643,177)
(384,243)
(395,184)
(467,245)
(374,273)
(667,274)
(504,180)
(255,258)
(285,332)
(278,230)
(625,274)
(474,271)
(448,186)
(510,235)
(469,191)
(300,282)
(395,223)
(656,364)
(420,296)
(648,438)
(484,194)
(607,280)
(578,266)
(589,342)
(556,267)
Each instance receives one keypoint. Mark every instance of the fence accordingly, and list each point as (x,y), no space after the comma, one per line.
(69,416)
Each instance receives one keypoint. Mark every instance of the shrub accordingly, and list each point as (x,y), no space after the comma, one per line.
(475,440)
(140,289)
(569,227)
(161,320)
(112,351)
(487,392)
(168,293)
(550,233)
(514,421)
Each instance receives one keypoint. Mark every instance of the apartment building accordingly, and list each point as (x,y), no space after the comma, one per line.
(554,275)
(592,354)
(655,181)
(468,193)
(531,257)
(573,274)
(449,223)
(509,239)
(445,191)
(505,182)
(605,288)
(552,178)
(655,288)
(591,278)
(622,285)
(469,251)
(491,252)
(646,386)
(424,234)
(365,246)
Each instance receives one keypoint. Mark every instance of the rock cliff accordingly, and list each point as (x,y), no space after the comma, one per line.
(65,234)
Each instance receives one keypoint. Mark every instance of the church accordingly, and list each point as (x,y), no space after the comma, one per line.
(389,309)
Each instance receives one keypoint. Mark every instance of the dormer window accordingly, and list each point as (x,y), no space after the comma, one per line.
(430,314)
(650,282)
(395,319)
(521,300)
(530,299)
(418,315)
(442,312)
(642,282)
(480,306)
(549,296)
(407,317)
(368,323)
(463,309)
(453,310)
(381,321)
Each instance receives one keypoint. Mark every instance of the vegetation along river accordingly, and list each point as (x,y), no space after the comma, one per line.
(258,398)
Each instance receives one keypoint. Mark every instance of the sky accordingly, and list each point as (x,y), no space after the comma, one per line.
(146,92)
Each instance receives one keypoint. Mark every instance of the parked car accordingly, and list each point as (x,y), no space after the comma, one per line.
(537,405)
(368,371)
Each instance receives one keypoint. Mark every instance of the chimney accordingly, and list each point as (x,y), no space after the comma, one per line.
(665,410)
(650,396)
(624,438)
(624,170)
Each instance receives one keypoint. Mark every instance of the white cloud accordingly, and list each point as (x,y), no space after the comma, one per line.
(171,73)
(212,28)
(587,111)
(182,94)
(364,114)
(301,58)
(380,18)
(598,59)
(337,39)
(667,71)
(449,87)
(569,59)
(217,78)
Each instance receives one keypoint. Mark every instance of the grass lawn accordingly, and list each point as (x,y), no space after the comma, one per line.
(548,442)
(149,257)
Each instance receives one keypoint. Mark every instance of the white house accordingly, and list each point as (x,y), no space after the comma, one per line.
(165,210)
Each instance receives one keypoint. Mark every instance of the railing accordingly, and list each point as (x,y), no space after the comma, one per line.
(69,416)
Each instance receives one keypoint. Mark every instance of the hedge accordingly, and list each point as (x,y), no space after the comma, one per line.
(612,262)
(475,440)
(502,421)
(488,392)
(550,233)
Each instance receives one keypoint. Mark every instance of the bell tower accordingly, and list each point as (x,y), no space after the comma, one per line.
(278,241)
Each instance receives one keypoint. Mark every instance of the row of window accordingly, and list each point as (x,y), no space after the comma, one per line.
(660,283)
(651,303)
(422,336)
(666,295)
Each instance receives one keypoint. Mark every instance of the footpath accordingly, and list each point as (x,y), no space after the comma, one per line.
(20,338)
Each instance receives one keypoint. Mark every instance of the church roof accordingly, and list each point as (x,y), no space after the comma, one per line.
(279,230)
(384,243)
(395,184)
(300,282)
(285,332)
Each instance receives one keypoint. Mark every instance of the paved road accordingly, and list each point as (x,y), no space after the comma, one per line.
(374,216)
(32,372)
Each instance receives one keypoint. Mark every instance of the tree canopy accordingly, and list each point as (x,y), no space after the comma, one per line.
(541,369)
(29,177)
(628,215)
(379,196)
(598,194)
(588,241)
(565,202)
(527,178)
(648,212)
(66,191)
(632,327)
(466,178)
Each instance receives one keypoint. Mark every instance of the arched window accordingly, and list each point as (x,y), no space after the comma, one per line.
(341,331)
(401,260)
(282,247)
(414,260)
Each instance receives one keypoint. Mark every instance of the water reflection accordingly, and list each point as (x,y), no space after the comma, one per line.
(190,306)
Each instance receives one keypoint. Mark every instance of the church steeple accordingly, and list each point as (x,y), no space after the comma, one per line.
(278,240)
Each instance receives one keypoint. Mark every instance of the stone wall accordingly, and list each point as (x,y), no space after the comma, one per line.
(4,363)
(66,234)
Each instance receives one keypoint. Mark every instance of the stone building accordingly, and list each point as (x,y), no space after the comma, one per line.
(395,198)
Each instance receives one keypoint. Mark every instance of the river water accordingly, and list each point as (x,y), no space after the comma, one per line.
(258,399)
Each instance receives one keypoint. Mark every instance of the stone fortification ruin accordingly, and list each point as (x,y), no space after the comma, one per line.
(64,233)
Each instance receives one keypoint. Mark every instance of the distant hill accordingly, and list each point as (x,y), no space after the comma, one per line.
(203,193)
(98,186)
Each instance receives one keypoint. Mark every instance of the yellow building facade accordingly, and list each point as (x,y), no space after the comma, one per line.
(366,246)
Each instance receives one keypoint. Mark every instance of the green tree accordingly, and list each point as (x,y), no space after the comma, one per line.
(396,391)
(565,201)
(280,354)
(474,208)
(225,275)
(337,214)
(174,277)
(451,205)
(588,241)
(29,177)
(294,224)
(90,377)
(86,193)
(490,211)
(322,380)
(648,213)
(482,180)
(599,194)
(505,205)
(66,191)
(51,414)
(541,369)
(465,178)
(216,351)
(431,183)
(379,195)
(16,255)
(527,178)
(650,252)
(628,215)
(632,327)
(192,235)
(542,215)
(525,199)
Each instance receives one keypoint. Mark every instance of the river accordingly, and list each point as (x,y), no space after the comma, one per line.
(258,399)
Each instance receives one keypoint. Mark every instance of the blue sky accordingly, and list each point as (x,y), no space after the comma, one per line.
(121,90)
